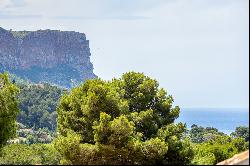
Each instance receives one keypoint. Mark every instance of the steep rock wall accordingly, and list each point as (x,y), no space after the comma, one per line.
(58,57)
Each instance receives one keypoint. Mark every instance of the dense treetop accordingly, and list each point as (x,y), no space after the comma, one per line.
(8,109)
(199,134)
(241,132)
(131,116)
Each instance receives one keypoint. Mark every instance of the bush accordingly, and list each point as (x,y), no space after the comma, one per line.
(21,154)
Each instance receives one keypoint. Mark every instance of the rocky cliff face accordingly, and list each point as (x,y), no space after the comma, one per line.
(58,57)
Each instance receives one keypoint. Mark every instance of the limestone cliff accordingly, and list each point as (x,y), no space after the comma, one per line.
(58,57)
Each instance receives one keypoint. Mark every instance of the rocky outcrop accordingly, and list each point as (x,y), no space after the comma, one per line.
(58,57)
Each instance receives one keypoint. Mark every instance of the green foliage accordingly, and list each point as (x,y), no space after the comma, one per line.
(8,109)
(21,154)
(206,158)
(212,146)
(62,75)
(69,147)
(29,136)
(179,149)
(18,80)
(135,152)
(241,132)
(123,121)
(214,151)
(38,105)
(116,132)
(240,144)
(199,134)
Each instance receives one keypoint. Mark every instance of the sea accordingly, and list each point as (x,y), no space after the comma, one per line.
(224,119)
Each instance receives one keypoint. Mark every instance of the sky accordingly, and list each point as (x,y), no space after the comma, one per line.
(198,50)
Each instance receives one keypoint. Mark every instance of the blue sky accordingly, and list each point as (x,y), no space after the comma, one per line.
(197,49)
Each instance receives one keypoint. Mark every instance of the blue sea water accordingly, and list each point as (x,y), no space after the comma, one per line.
(224,119)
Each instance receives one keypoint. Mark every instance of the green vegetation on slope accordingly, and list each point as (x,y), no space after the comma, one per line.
(124,121)
(212,146)
(241,132)
(199,134)
(30,136)
(8,109)
(21,154)
(62,74)
(38,105)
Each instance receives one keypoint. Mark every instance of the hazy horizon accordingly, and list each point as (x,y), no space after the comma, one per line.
(197,50)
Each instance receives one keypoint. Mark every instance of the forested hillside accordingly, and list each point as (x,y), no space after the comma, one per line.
(38,105)
(129,120)
(37,116)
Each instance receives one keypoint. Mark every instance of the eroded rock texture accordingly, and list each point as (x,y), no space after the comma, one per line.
(58,57)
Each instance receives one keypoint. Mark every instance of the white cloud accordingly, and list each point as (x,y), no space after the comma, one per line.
(4,4)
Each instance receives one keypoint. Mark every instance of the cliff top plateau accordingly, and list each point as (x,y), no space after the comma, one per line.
(53,56)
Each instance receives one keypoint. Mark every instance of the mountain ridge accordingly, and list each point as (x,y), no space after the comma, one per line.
(53,56)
